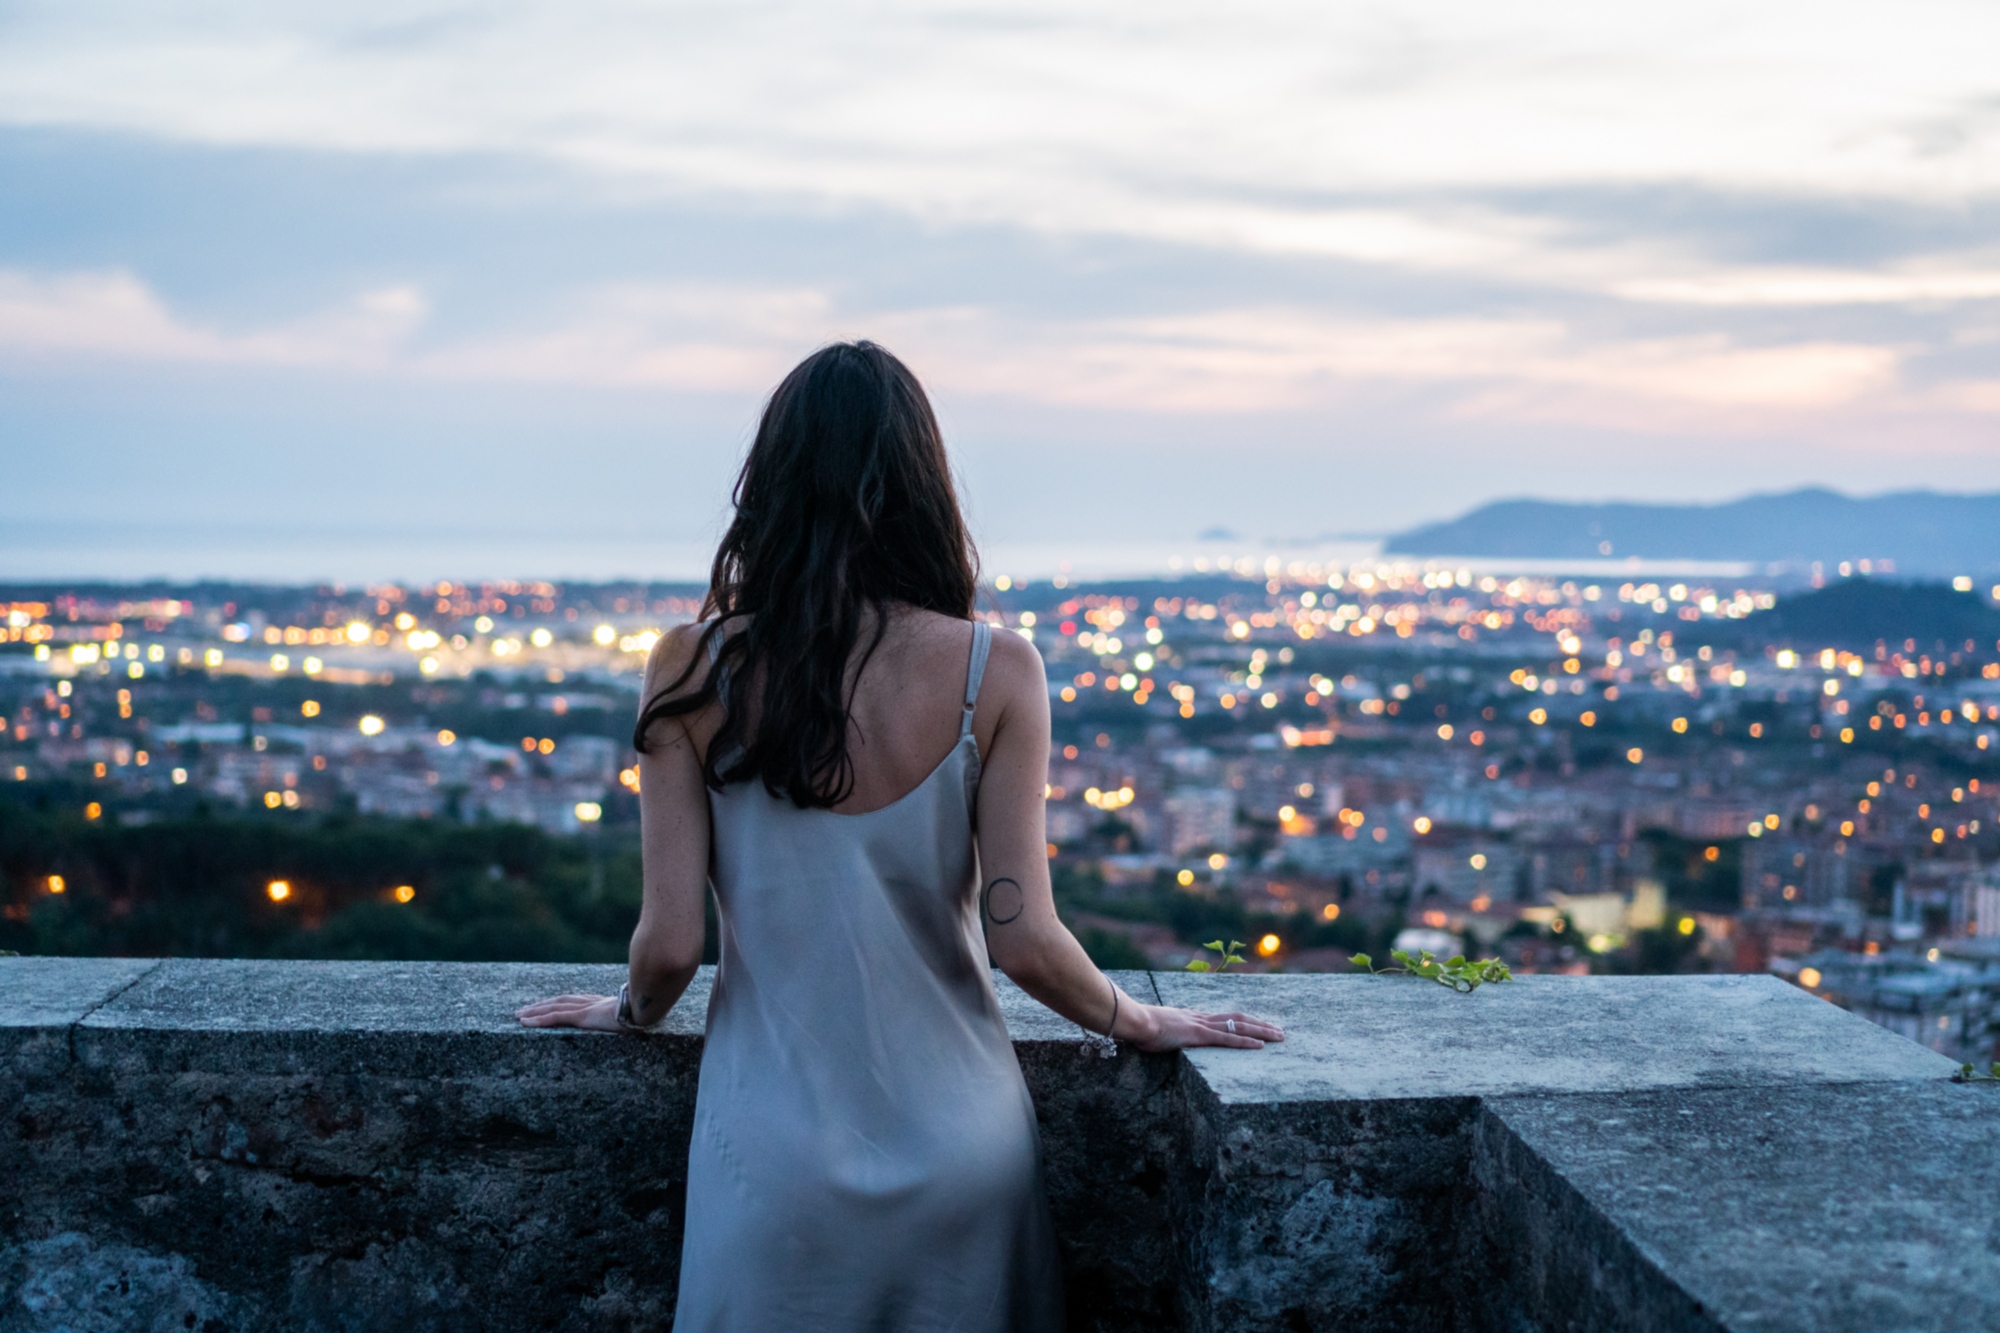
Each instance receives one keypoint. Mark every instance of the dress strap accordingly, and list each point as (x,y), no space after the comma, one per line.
(975,671)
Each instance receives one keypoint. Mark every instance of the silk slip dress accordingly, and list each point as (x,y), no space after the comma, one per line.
(864,1154)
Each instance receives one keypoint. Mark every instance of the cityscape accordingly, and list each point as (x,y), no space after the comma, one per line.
(1637,771)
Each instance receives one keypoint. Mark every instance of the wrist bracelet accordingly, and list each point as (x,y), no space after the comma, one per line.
(1111,1032)
(625,1018)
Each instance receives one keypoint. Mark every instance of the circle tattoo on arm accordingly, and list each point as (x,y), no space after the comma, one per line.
(1004,901)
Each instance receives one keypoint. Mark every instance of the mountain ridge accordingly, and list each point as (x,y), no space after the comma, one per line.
(1915,531)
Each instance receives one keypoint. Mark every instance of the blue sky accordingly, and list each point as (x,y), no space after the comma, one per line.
(423,290)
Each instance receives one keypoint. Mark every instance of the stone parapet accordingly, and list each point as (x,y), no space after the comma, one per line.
(354,1146)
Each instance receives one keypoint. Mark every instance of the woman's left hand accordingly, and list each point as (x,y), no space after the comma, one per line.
(599,1013)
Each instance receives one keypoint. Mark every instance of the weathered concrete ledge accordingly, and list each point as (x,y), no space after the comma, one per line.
(254,1145)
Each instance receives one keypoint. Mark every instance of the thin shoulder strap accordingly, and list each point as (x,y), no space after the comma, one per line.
(975,671)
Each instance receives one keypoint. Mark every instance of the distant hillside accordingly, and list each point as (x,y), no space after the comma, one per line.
(1859,613)
(1920,531)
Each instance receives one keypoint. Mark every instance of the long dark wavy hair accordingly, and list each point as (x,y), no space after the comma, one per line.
(844,506)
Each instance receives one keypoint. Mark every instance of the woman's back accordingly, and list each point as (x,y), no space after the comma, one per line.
(864,1151)
(864,1155)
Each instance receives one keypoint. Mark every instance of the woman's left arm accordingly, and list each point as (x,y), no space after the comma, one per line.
(674,834)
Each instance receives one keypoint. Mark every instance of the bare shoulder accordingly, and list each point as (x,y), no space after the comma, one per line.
(1015,656)
(1014,669)
(678,650)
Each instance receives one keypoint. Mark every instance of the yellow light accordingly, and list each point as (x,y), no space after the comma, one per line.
(589,812)
(1588,719)
(310,708)
(1092,795)
(1444,731)
(405,893)
(541,638)
(1680,725)
(1477,861)
(1330,912)
(1635,754)
(406,621)
(1287,813)
(1771,821)
(372,725)
(605,636)
(1269,945)
(358,631)
(1217,861)
(1687,925)
(1185,878)
(277,890)
(447,737)
(546,745)
(57,884)
(629,778)
(1422,823)
(280,663)
(1809,977)
(272,800)
(1846,828)
(1539,716)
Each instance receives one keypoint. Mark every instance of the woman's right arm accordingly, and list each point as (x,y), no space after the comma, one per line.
(1024,936)
(674,835)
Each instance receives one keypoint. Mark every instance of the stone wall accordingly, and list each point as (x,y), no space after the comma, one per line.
(256,1145)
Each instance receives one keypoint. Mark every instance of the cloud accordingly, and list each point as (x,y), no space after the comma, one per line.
(722,338)
(1285,128)
(115,315)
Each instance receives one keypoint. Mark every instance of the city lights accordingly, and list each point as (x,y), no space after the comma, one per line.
(278,890)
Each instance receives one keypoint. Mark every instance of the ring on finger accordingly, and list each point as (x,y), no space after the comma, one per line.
(1231,1025)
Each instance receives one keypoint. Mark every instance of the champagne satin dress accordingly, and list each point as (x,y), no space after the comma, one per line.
(865,1154)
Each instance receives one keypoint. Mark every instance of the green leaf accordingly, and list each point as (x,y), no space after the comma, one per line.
(1198,965)
(1213,944)
(1235,944)
(1456,960)
(1362,960)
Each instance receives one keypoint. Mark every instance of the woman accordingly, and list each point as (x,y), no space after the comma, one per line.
(858,769)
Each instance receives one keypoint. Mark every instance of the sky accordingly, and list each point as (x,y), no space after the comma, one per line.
(449,290)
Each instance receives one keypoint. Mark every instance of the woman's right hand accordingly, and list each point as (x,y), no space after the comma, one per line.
(1169,1029)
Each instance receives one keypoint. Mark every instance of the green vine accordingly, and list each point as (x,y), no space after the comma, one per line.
(1455,972)
(1229,955)
(1967,1074)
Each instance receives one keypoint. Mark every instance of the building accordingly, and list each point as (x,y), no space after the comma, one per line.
(1200,819)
